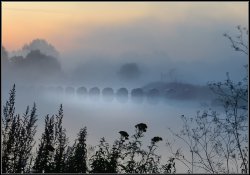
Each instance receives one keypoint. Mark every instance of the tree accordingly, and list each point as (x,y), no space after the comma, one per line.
(44,159)
(150,161)
(35,65)
(239,42)
(129,71)
(128,156)
(106,158)
(80,155)
(100,162)
(8,132)
(201,136)
(69,159)
(26,140)
(76,157)
(54,156)
(117,151)
(133,148)
(7,120)
(218,143)
(61,143)
(4,56)
(17,137)
(136,158)
(38,44)
(235,99)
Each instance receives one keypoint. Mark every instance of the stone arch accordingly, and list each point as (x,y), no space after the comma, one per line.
(94,93)
(122,95)
(108,94)
(82,91)
(137,95)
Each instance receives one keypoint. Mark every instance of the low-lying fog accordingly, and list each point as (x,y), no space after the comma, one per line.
(110,96)
(105,114)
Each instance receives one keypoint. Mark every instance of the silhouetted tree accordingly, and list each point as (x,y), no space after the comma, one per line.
(34,66)
(234,97)
(60,143)
(80,155)
(117,152)
(69,159)
(7,133)
(100,160)
(42,45)
(133,149)
(169,168)
(105,159)
(17,137)
(4,56)
(219,143)
(54,156)
(239,43)
(76,159)
(44,160)
(129,71)
(202,138)
(150,161)
(26,140)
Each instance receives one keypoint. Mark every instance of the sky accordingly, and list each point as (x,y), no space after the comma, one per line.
(98,37)
(63,23)
(176,33)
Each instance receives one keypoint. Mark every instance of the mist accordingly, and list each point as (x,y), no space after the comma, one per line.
(112,75)
(42,75)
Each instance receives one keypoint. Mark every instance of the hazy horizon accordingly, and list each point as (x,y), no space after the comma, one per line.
(169,51)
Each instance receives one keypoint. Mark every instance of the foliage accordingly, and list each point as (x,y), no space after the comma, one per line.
(44,160)
(218,143)
(239,42)
(76,156)
(100,162)
(17,137)
(128,156)
(54,155)
(52,148)
(129,71)
(61,143)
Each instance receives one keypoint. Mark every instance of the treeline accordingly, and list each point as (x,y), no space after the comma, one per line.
(37,61)
(55,155)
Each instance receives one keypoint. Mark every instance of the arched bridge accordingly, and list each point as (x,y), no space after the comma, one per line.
(137,95)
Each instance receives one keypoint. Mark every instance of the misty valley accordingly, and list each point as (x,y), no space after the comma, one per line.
(150,87)
(106,106)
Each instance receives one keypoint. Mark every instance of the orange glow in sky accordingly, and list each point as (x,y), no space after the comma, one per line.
(62,22)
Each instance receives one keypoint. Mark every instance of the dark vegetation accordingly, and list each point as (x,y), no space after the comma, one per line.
(38,57)
(54,155)
(217,143)
(129,71)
